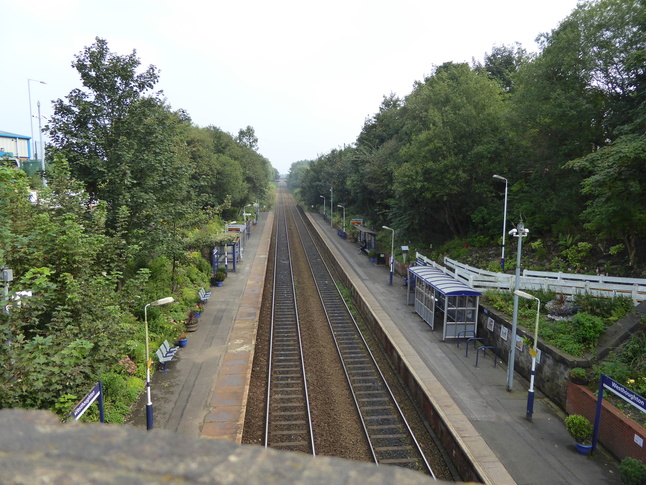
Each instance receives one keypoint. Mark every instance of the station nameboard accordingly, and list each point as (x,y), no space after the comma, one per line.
(356,222)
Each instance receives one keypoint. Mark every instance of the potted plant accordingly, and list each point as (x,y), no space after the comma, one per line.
(581,430)
(219,277)
(182,339)
(372,254)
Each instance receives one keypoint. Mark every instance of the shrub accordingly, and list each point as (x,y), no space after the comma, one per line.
(587,329)
(579,428)
(220,276)
(632,471)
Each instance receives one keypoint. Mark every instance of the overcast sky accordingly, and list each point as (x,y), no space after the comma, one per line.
(304,74)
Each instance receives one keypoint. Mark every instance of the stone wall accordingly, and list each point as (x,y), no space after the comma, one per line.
(552,371)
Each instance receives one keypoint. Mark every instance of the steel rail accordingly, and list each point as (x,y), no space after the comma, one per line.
(391,439)
(288,422)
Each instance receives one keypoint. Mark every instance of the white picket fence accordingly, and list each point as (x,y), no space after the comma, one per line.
(563,283)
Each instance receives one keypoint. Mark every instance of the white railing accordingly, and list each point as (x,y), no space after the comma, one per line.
(563,283)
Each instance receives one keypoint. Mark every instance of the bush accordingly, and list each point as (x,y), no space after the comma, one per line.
(587,329)
(632,471)
(579,428)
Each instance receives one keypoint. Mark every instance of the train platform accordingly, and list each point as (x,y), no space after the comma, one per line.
(204,393)
(534,452)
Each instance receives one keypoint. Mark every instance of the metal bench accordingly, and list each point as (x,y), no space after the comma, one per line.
(163,358)
(204,295)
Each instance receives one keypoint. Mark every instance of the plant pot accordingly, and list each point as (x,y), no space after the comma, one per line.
(218,283)
(182,342)
(191,326)
(372,260)
(583,449)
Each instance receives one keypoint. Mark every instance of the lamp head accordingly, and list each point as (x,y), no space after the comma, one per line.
(525,295)
(386,227)
(500,178)
(163,301)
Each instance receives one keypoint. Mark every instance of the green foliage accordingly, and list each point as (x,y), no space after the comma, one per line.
(632,471)
(579,428)
(577,255)
(587,329)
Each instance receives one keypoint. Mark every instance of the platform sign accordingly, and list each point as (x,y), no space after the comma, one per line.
(621,391)
(95,393)
(624,393)
(356,222)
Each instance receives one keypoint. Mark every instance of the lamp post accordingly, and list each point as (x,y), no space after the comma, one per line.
(31,114)
(331,208)
(392,253)
(504,223)
(149,403)
(533,352)
(342,207)
(520,232)
(323,197)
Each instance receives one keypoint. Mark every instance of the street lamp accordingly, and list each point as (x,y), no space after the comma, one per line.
(342,207)
(149,403)
(533,352)
(392,253)
(323,197)
(331,208)
(520,232)
(31,113)
(504,223)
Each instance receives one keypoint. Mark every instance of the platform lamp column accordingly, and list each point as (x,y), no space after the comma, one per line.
(392,253)
(31,114)
(533,352)
(149,403)
(504,224)
(342,207)
(323,197)
(331,208)
(520,232)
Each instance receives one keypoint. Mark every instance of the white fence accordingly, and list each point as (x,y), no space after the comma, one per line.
(563,283)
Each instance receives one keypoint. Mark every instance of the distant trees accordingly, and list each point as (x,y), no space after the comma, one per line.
(565,126)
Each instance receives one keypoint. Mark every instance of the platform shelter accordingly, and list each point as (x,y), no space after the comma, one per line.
(367,238)
(438,296)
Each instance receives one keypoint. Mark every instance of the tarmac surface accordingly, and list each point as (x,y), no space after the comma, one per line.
(204,393)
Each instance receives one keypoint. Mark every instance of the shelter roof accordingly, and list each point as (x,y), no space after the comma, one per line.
(443,282)
(365,229)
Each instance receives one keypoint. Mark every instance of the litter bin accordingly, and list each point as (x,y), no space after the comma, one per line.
(381,258)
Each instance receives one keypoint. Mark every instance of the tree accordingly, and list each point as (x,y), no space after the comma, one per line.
(458,126)
(247,137)
(124,145)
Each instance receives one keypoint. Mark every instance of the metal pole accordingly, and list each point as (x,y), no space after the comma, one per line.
(392,253)
(42,148)
(519,232)
(31,114)
(530,393)
(149,402)
(504,224)
(504,231)
(331,208)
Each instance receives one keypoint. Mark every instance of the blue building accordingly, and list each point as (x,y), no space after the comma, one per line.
(15,146)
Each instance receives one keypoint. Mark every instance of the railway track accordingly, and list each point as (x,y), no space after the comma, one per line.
(288,424)
(390,438)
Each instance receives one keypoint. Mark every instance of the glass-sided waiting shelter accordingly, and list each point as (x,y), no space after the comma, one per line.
(439,292)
